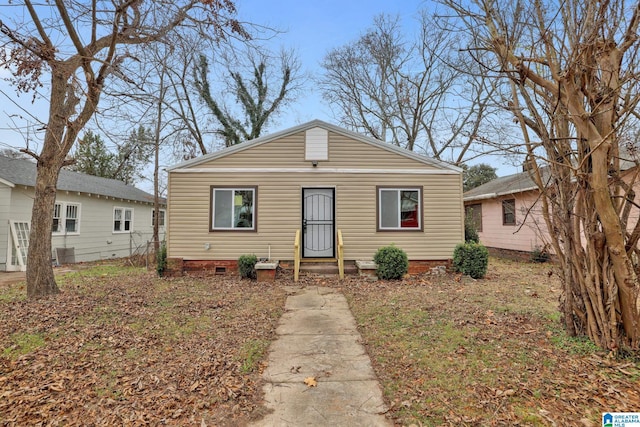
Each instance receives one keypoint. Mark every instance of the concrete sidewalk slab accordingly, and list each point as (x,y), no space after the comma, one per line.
(317,337)
(317,322)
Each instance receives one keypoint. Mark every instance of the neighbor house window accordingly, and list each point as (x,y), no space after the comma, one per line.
(66,217)
(509,212)
(473,214)
(399,208)
(122,220)
(71,219)
(233,208)
(56,227)
(161,215)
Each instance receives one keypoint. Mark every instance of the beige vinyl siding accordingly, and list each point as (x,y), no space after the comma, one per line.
(279,211)
(290,152)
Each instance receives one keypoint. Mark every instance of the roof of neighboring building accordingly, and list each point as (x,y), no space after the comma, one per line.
(23,172)
(330,127)
(505,185)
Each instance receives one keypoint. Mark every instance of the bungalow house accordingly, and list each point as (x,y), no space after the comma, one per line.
(94,218)
(328,184)
(505,215)
(507,212)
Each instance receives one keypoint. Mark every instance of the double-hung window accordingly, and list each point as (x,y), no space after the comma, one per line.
(233,208)
(509,212)
(122,220)
(161,214)
(399,208)
(66,218)
(71,219)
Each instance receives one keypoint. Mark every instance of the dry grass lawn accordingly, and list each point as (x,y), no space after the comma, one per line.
(119,346)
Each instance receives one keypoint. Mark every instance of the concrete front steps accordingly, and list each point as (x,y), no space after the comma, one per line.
(328,267)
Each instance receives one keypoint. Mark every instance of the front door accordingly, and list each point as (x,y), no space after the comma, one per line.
(318,227)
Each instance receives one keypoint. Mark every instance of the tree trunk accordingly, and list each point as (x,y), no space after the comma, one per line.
(58,140)
(40,279)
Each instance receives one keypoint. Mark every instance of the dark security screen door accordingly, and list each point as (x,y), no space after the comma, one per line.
(318,227)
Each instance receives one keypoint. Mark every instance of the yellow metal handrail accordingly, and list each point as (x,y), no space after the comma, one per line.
(296,256)
(340,255)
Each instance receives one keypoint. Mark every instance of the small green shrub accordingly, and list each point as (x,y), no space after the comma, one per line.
(161,259)
(247,266)
(392,263)
(471,259)
(539,254)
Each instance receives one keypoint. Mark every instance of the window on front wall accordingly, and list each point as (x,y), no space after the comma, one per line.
(122,220)
(233,208)
(399,209)
(509,212)
(66,218)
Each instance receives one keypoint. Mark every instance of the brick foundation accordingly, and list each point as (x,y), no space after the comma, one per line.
(425,266)
(222,267)
(177,267)
(266,275)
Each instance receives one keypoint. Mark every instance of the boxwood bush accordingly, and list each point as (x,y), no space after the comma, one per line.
(471,259)
(470,232)
(392,263)
(247,266)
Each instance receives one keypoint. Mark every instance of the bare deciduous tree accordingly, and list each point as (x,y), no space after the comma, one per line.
(410,93)
(250,80)
(80,46)
(573,71)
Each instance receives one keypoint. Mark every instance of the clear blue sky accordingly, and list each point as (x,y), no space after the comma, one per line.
(314,28)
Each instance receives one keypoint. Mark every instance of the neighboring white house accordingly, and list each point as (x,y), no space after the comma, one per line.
(94,218)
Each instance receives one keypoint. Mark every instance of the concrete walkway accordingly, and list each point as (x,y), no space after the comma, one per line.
(317,338)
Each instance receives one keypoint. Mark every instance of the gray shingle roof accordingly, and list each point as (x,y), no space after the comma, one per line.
(509,184)
(23,172)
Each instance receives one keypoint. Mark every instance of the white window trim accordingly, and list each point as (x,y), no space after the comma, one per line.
(113,220)
(232,228)
(63,219)
(399,190)
(164,217)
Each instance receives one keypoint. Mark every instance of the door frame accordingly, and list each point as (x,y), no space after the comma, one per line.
(333,224)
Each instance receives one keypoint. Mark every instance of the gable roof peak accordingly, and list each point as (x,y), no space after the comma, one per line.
(310,125)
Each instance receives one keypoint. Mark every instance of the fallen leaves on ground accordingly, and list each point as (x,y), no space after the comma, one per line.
(311,382)
(132,349)
(486,352)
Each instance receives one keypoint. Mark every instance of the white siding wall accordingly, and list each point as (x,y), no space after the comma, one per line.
(96,239)
(5,202)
